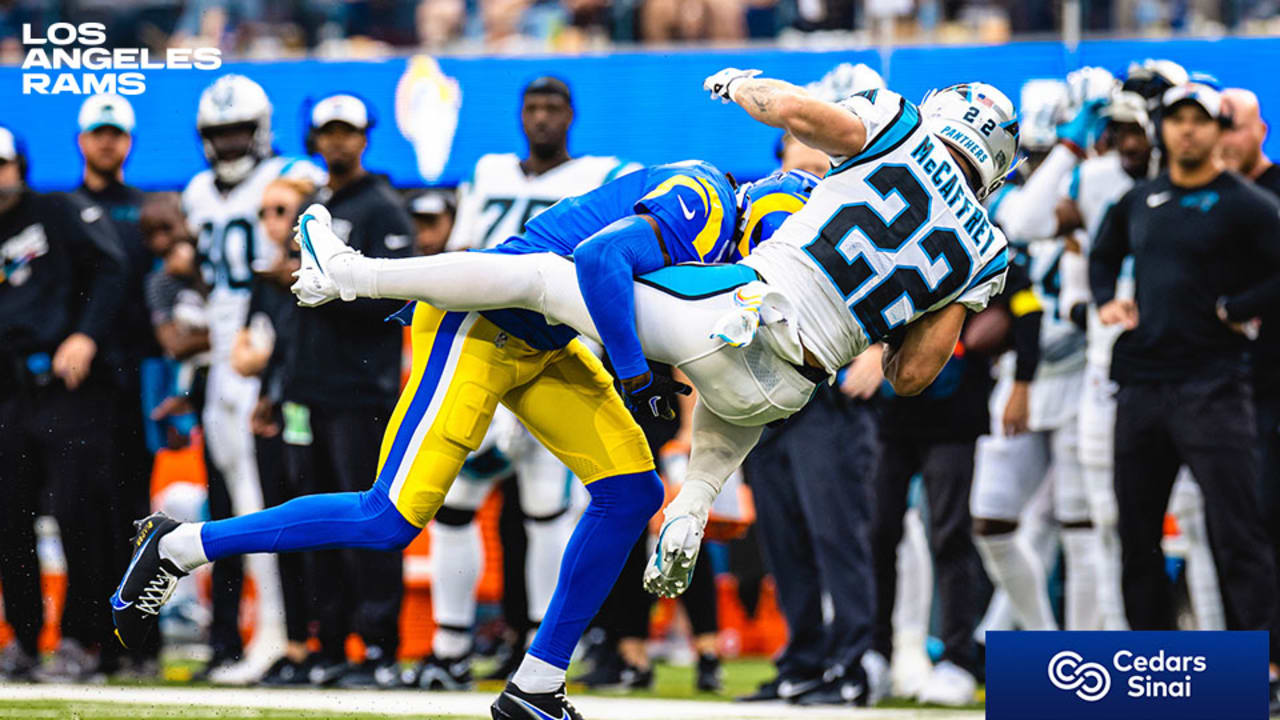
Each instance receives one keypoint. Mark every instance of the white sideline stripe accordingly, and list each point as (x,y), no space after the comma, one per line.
(443,705)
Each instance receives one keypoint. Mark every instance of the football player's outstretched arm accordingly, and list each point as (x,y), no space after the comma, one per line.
(926,347)
(816,123)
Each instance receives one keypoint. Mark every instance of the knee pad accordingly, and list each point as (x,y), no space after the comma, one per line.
(384,528)
(633,496)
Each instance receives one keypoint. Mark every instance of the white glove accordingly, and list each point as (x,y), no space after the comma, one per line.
(720,84)
(313,288)
(671,566)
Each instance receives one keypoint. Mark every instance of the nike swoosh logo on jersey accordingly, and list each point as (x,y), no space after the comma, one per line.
(535,712)
(688,214)
(1158,199)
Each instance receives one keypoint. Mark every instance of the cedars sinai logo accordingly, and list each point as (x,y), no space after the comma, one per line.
(1068,671)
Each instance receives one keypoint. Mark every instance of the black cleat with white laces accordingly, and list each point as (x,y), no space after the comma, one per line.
(516,704)
(147,583)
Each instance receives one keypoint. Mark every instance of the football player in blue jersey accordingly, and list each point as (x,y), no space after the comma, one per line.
(465,363)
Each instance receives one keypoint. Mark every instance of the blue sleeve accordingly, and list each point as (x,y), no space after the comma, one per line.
(606,264)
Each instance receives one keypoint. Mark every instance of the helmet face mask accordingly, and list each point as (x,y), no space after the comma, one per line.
(232,105)
(979,123)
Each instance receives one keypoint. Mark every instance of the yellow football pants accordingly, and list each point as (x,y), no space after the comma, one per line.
(463,366)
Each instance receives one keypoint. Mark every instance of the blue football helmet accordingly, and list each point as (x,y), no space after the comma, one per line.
(763,205)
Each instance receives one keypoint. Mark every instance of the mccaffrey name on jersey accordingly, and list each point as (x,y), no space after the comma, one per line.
(888,235)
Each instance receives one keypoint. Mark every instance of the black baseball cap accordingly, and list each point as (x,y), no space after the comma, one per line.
(548,85)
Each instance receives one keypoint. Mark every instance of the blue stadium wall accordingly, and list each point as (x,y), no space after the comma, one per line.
(642,106)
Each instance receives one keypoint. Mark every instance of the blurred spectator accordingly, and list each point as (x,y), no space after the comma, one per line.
(342,378)
(64,279)
(261,348)
(440,23)
(175,300)
(174,290)
(106,124)
(795,155)
(664,21)
(433,214)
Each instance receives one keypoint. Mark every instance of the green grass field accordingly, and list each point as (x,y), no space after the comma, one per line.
(671,683)
(116,711)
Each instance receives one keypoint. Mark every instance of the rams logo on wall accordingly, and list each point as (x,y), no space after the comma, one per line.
(427,107)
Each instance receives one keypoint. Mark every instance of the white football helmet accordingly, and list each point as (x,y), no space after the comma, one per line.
(1043,108)
(234,100)
(979,122)
(1128,107)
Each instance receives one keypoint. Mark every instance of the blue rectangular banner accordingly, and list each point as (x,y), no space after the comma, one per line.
(1127,675)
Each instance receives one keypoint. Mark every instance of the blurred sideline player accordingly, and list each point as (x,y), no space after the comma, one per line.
(1086,188)
(504,193)
(1033,435)
(221,204)
(464,365)
(963,140)
(433,213)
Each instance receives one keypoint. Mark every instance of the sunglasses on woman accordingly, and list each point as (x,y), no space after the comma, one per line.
(273,211)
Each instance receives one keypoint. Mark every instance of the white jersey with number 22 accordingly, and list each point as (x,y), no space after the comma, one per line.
(888,235)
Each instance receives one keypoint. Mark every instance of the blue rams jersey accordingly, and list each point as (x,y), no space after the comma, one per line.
(693,202)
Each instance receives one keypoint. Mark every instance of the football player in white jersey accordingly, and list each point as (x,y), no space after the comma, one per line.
(1090,188)
(893,246)
(1034,420)
(221,205)
(504,192)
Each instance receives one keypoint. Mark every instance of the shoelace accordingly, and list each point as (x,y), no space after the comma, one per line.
(157,592)
(564,701)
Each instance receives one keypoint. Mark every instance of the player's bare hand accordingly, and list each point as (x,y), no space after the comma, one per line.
(72,359)
(1248,328)
(671,565)
(1120,311)
(1017,411)
(262,421)
(864,375)
(172,406)
(721,83)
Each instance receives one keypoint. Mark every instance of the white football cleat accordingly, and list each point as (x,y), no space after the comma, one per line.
(323,253)
(671,565)
(950,685)
(312,287)
(879,682)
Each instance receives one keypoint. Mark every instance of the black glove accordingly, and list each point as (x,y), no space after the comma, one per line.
(657,397)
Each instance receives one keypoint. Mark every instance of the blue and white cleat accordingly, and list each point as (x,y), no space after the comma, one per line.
(316,282)
(516,704)
(147,583)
